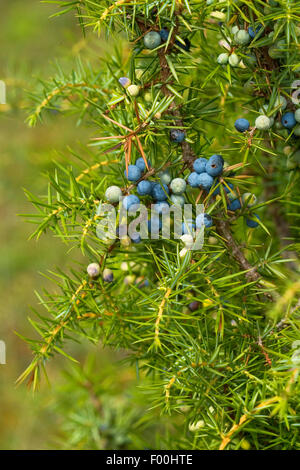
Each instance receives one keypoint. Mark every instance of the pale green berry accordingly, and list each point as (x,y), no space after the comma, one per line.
(297,115)
(133,90)
(242,37)
(165,177)
(234,29)
(287,150)
(233,60)
(249,199)
(219,15)
(139,73)
(178,200)
(278,125)
(148,97)
(178,186)
(152,40)
(249,87)
(263,123)
(113,194)
(223,58)
(296,130)
(129,279)
(281,102)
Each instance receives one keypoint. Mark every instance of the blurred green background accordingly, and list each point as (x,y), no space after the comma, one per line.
(30,44)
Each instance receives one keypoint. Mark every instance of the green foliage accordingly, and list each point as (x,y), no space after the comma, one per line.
(231,367)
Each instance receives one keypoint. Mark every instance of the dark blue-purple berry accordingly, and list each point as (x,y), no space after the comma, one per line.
(134,173)
(177,135)
(242,124)
(144,187)
(288,120)
(214,166)
(199,165)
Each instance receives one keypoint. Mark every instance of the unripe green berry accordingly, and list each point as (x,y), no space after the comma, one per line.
(223,58)
(235,29)
(152,40)
(233,60)
(148,97)
(242,37)
(177,199)
(165,177)
(281,102)
(296,130)
(263,123)
(133,90)
(113,194)
(297,115)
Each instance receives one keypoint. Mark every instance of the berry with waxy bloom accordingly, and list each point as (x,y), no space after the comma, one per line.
(113,194)
(152,40)
(134,173)
(108,275)
(214,166)
(199,165)
(93,270)
(178,185)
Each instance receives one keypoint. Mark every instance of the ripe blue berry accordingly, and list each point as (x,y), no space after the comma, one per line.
(204,219)
(214,166)
(144,187)
(154,224)
(108,275)
(125,82)
(93,270)
(152,40)
(134,173)
(113,194)
(178,185)
(199,165)
(141,164)
(193,180)
(205,181)
(242,124)
(234,205)
(135,237)
(253,32)
(193,306)
(177,135)
(186,46)
(226,189)
(288,120)
(130,201)
(161,207)
(188,227)
(164,34)
(160,193)
(252,222)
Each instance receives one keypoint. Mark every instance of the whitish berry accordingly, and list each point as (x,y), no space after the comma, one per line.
(205,181)
(108,275)
(133,90)
(204,219)
(134,173)
(242,124)
(160,193)
(177,135)
(193,180)
(214,166)
(165,177)
(187,239)
(233,60)
(178,200)
(144,187)
(263,122)
(130,201)
(242,37)
(288,120)
(178,186)
(93,270)
(249,199)
(152,40)
(113,194)
(234,29)
(199,165)
(297,115)
(125,82)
